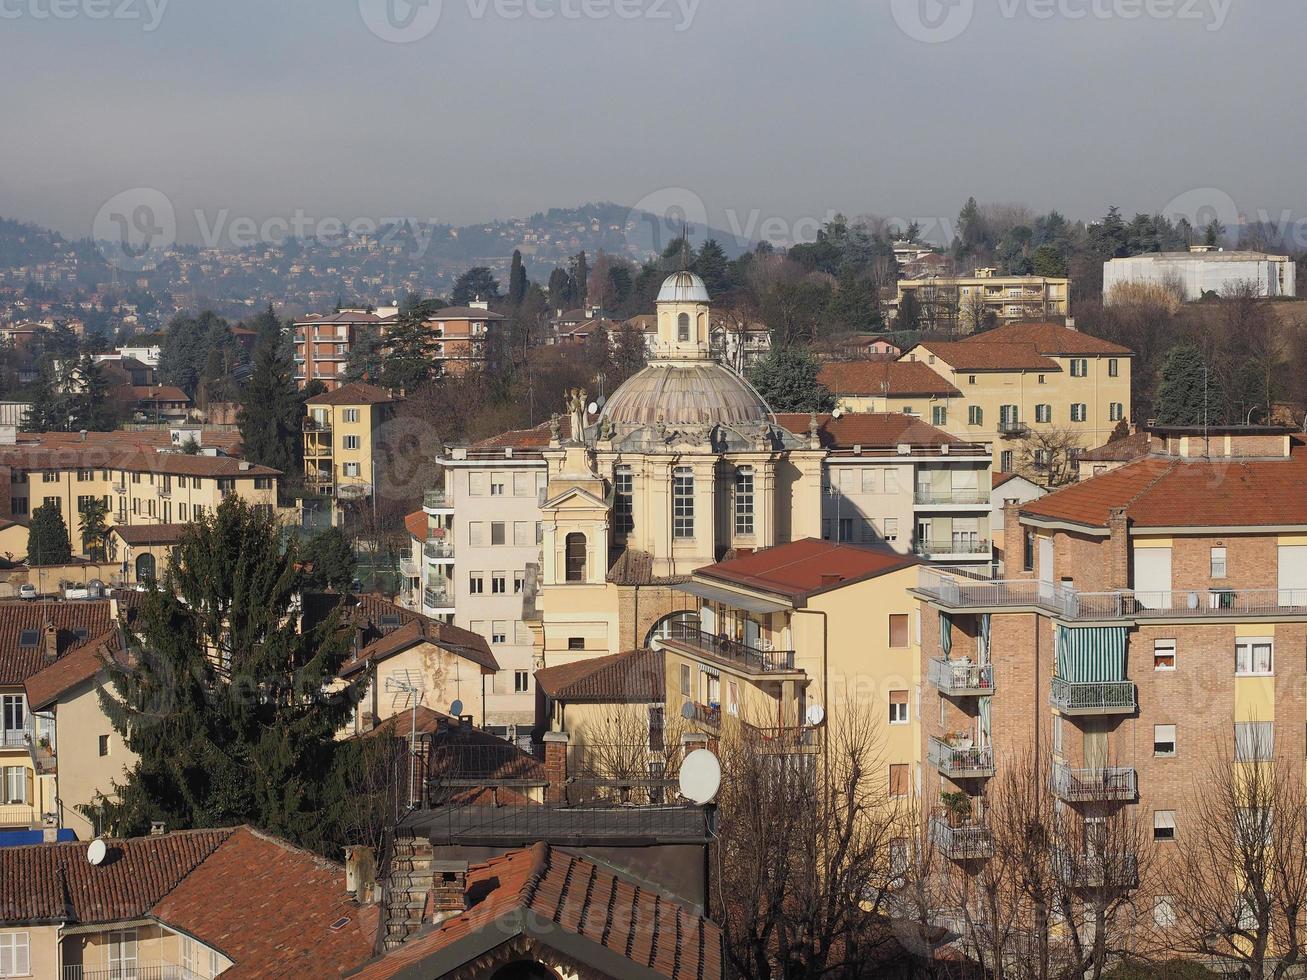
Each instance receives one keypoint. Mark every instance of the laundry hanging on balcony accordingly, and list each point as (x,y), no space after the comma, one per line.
(986,722)
(984,657)
(1091,655)
(946,634)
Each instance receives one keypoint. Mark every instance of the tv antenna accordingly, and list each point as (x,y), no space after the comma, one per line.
(406,686)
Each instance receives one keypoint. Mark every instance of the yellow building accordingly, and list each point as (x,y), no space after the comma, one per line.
(1024,385)
(971,300)
(341,439)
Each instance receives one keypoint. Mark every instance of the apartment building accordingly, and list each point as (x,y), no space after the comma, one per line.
(342,438)
(1149,620)
(458,336)
(890,479)
(1028,381)
(484,536)
(1005,299)
(907,387)
(323,342)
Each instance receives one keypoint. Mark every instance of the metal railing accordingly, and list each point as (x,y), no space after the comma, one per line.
(724,648)
(952,546)
(961,677)
(17,738)
(135,971)
(1108,784)
(1119,871)
(706,714)
(437,499)
(927,496)
(315,425)
(787,741)
(1096,697)
(957,761)
(17,815)
(437,598)
(1014,428)
(438,548)
(965,841)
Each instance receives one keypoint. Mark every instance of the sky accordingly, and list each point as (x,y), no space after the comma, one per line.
(754,111)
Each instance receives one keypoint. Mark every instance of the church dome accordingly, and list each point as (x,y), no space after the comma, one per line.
(683,287)
(685,394)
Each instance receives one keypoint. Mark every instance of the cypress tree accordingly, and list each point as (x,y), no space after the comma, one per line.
(47,538)
(271,410)
(517,280)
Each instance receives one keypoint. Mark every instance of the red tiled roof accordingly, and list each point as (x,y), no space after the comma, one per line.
(464,313)
(536,438)
(962,355)
(998,478)
(75,667)
(1160,491)
(1121,450)
(227,441)
(1050,338)
(355,393)
(74,622)
(545,895)
(130,459)
(884,379)
(637,676)
(871,430)
(147,534)
(804,568)
(416,524)
(149,393)
(460,642)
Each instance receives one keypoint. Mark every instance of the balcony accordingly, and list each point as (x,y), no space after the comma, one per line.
(1014,429)
(120,488)
(132,971)
(961,678)
(316,425)
(965,839)
(18,815)
(708,715)
(952,546)
(437,500)
(16,738)
(321,484)
(750,658)
(1096,870)
(959,760)
(802,740)
(439,549)
(1096,698)
(1110,784)
(437,598)
(927,497)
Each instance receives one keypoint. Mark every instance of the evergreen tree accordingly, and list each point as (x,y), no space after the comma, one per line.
(477,283)
(367,357)
(561,289)
(90,405)
(228,707)
(713,268)
(909,314)
(580,273)
(50,411)
(47,538)
(95,528)
(1182,395)
(408,363)
(787,380)
(517,280)
(331,559)
(272,408)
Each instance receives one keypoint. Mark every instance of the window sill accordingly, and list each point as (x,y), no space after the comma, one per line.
(1270,673)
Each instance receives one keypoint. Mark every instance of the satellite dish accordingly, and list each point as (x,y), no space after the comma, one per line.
(687,711)
(701,776)
(593,408)
(456,708)
(97,851)
(816,714)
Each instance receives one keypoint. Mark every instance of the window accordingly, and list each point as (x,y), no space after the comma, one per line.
(1164,741)
(350,469)
(49,476)
(497,532)
(264,482)
(226,485)
(519,582)
(498,583)
(574,545)
(683,328)
(15,787)
(104,745)
(1163,825)
(476,484)
(350,442)
(475,584)
(1042,379)
(1043,413)
(971,379)
(1164,911)
(1254,741)
(623,500)
(898,631)
(744,500)
(687,680)
(939,415)
(1164,655)
(891,528)
(29,638)
(1079,367)
(846,529)
(19,506)
(898,707)
(1008,418)
(1253,656)
(1218,563)
(15,954)
(55,503)
(122,952)
(898,780)
(497,485)
(521,681)
(1057,734)
(576,643)
(1115,412)
(1113,367)
(136,477)
(499,631)
(1005,460)
(476,534)
(1079,412)
(898,856)
(683,502)
(349,415)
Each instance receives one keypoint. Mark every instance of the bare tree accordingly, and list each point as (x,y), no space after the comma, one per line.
(629,756)
(1048,456)
(1238,886)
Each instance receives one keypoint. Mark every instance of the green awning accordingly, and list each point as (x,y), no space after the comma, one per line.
(946,634)
(1091,654)
(984,657)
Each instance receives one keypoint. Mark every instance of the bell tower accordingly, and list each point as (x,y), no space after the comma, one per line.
(684,322)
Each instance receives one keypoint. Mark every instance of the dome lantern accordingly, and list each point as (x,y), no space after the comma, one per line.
(684,321)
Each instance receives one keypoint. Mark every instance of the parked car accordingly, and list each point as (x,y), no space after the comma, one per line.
(27,591)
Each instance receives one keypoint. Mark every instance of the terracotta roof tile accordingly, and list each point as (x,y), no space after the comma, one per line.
(536,438)
(460,642)
(92,456)
(74,622)
(1121,450)
(147,534)
(871,430)
(355,393)
(637,676)
(806,567)
(75,667)
(962,355)
(1049,338)
(416,524)
(884,379)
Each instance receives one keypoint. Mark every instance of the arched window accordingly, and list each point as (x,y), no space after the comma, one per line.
(677,625)
(575,549)
(145,567)
(683,328)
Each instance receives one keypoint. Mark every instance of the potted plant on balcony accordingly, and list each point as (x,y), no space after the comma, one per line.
(961,741)
(957,808)
(44,742)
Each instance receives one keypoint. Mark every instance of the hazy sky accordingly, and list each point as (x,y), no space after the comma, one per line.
(761,109)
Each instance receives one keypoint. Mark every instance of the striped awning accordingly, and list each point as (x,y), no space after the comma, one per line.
(1091,654)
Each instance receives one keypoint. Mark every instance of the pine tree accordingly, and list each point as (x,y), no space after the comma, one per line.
(1182,394)
(477,283)
(408,363)
(366,356)
(713,268)
(580,273)
(331,558)
(91,407)
(228,707)
(271,410)
(516,280)
(47,538)
(787,380)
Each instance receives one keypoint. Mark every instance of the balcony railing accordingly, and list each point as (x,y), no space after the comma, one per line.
(802,740)
(961,678)
(316,425)
(1107,870)
(961,588)
(734,651)
(1094,698)
(1105,785)
(140,971)
(927,497)
(17,815)
(968,840)
(1015,429)
(439,549)
(952,546)
(959,761)
(16,738)
(437,500)
(437,598)
(708,715)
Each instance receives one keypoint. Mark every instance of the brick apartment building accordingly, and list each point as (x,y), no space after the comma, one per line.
(323,343)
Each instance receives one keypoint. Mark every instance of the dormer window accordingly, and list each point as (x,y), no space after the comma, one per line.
(29,638)
(683,328)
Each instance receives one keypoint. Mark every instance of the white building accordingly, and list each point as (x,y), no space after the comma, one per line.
(1203,270)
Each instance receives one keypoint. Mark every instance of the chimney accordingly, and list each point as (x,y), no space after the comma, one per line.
(360,872)
(157,828)
(1118,527)
(1014,541)
(830,578)
(556,766)
(51,642)
(448,890)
